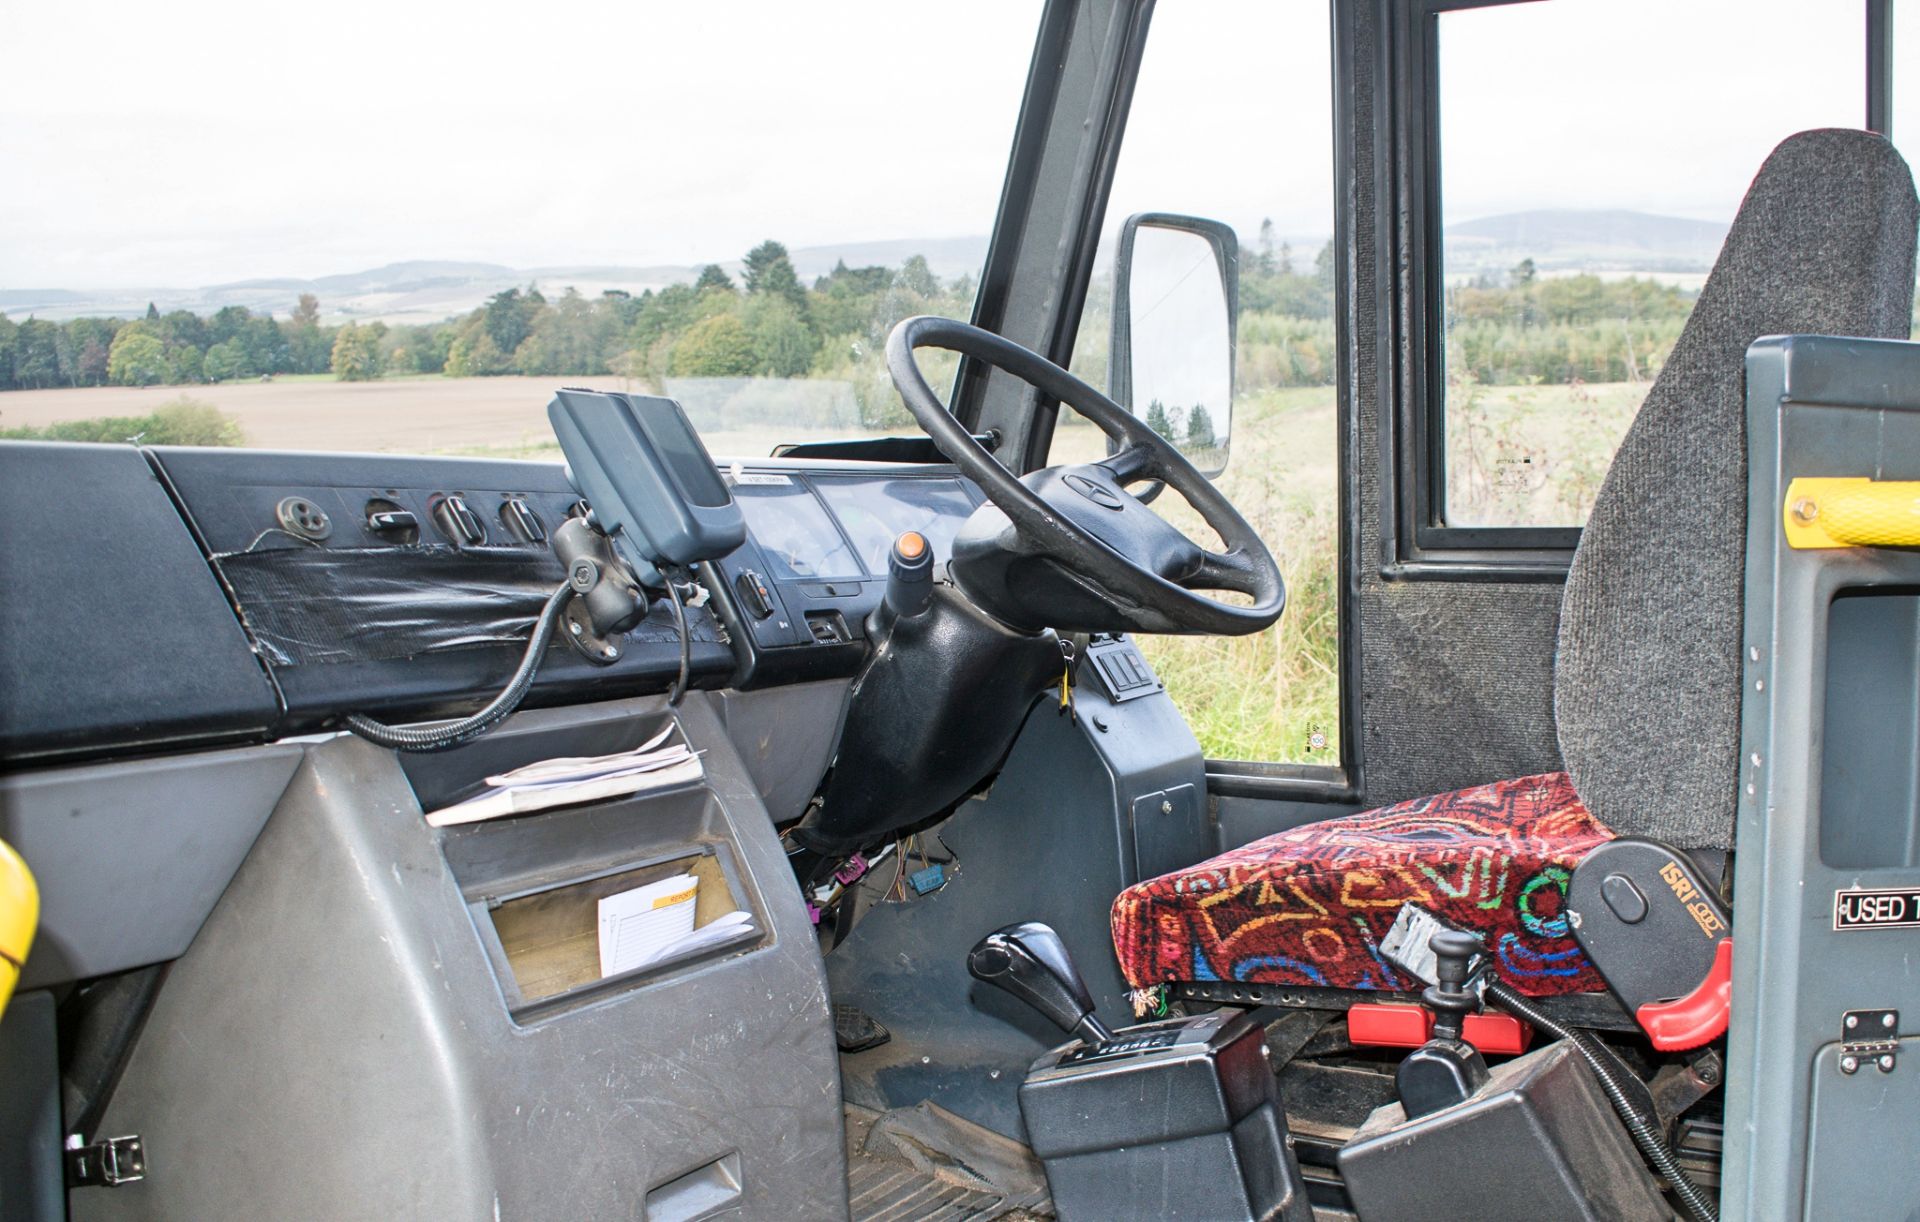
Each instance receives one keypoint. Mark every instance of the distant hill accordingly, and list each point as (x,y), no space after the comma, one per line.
(428,290)
(22,300)
(1613,240)
(394,277)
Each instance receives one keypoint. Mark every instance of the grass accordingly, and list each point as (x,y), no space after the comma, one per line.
(178,422)
(1532,455)
(1274,695)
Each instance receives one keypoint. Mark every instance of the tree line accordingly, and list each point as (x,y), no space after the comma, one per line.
(768,324)
(1520,327)
(174,348)
(1512,328)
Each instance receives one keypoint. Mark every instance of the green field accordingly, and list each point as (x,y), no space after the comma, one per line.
(1274,695)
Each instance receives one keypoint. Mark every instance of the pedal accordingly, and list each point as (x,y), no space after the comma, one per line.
(1660,937)
(854,1030)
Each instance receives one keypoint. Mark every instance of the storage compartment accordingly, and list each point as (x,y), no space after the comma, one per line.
(551,938)
(533,882)
(441,778)
(1870,762)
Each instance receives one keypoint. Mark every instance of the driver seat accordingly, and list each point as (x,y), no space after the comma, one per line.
(1648,672)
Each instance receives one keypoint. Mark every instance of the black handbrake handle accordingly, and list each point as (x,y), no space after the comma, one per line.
(1029,961)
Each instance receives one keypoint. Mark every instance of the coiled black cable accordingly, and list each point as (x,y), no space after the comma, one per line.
(443,735)
(1644,1129)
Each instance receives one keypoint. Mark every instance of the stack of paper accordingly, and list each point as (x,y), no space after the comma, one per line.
(560,782)
(655,922)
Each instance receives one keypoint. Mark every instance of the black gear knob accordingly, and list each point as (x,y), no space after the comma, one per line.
(1449,997)
(1029,961)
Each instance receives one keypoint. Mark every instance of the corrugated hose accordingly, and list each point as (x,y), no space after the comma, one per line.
(443,735)
(1645,1130)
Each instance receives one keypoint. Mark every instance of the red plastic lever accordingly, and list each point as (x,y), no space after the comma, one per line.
(1497,1033)
(1388,1025)
(1378,1025)
(1700,1016)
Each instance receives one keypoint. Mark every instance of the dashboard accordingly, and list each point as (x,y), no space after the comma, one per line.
(173,596)
(815,561)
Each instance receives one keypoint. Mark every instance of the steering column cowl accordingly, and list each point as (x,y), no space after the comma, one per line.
(931,716)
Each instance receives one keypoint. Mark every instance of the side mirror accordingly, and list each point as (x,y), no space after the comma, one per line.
(1176,299)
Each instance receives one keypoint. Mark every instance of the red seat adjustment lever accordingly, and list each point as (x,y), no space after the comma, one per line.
(1698,1018)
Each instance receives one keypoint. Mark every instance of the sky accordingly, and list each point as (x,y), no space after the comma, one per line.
(1657,105)
(219,140)
(214,140)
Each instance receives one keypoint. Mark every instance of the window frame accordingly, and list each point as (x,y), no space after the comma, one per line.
(1335,781)
(1419,543)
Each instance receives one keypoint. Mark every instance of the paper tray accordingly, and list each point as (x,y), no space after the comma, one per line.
(548,939)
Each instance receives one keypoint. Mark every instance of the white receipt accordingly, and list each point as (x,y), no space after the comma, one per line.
(563,782)
(655,922)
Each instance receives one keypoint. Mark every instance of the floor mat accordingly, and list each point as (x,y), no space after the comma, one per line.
(925,1162)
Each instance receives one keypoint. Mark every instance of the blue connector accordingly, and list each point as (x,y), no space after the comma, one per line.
(929,879)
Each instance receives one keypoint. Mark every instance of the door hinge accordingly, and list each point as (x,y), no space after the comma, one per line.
(1869,1036)
(111,1161)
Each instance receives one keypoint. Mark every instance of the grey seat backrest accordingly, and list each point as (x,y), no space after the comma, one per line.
(1648,673)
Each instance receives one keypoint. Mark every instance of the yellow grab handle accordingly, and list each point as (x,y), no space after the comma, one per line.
(1852,512)
(19,915)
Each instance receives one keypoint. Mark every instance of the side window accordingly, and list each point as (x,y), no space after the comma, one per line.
(1584,195)
(1232,120)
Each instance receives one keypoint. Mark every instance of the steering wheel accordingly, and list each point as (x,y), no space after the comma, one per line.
(1068,547)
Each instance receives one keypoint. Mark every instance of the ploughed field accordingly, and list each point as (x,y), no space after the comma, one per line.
(500,416)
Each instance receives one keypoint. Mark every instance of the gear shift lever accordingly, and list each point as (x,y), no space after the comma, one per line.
(1029,961)
(1100,1110)
(1446,1069)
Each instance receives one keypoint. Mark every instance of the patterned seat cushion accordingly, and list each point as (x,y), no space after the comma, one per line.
(1309,906)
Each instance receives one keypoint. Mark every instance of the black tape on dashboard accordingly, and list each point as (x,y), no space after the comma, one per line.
(314,605)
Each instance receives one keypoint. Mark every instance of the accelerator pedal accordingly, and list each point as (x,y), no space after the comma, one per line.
(855,1030)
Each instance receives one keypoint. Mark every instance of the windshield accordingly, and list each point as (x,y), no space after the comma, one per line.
(400,229)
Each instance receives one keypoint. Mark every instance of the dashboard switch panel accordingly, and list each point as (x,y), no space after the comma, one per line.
(1122,671)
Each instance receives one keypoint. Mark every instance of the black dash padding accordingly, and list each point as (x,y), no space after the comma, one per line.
(114,633)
